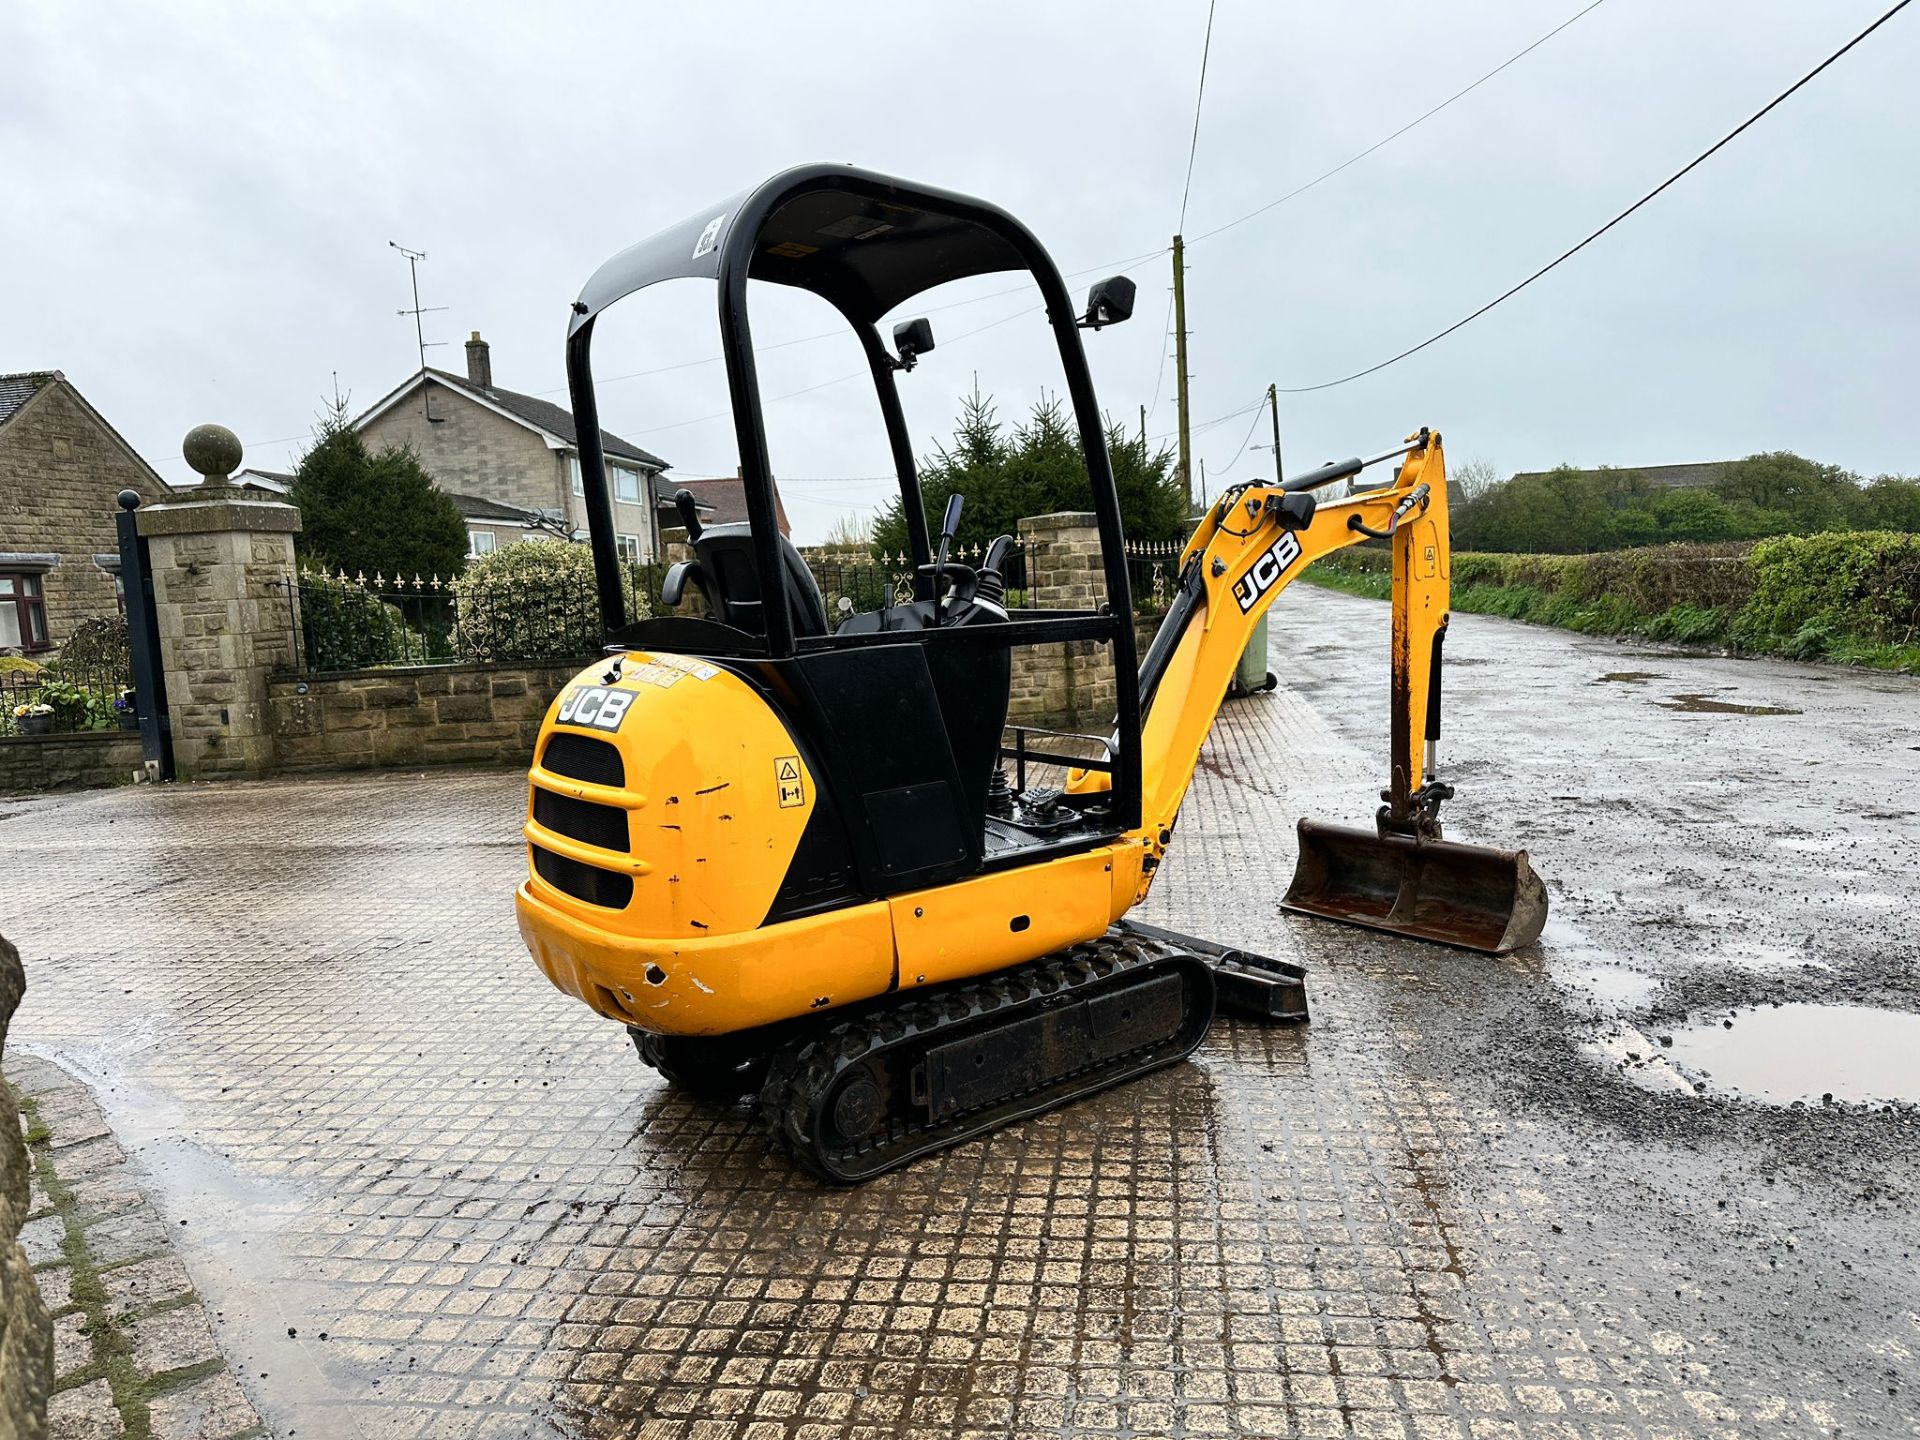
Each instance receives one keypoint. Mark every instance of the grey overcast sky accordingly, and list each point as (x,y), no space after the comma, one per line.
(196,200)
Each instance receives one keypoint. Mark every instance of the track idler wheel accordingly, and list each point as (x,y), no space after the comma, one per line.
(719,1067)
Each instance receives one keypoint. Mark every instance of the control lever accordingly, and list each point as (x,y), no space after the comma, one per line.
(683,501)
(949,527)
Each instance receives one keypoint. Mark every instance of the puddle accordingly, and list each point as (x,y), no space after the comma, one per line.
(1629,677)
(1707,705)
(1781,1054)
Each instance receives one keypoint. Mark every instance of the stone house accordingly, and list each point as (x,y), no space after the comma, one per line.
(512,461)
(61,468)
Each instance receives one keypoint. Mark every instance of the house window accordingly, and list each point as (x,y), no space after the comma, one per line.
(23,613)
(629,547)
(626,484)
(579,485)
(479,542)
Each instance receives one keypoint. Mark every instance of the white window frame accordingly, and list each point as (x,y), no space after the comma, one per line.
(481,542)
(629,547)
(579,481)
(624,476)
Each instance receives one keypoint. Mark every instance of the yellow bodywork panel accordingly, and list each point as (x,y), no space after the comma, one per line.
(709,986)
(986,923)
(716,792)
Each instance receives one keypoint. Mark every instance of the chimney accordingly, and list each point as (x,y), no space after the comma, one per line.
(479,362)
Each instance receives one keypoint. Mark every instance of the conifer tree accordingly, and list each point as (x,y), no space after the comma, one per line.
(377,513)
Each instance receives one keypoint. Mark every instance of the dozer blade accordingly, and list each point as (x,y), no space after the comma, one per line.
(1467,895)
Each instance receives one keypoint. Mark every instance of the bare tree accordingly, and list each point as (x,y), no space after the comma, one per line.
(851,529)
(1475,477)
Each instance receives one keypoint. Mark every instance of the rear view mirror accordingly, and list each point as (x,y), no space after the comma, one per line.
(1109,302)
(912,338)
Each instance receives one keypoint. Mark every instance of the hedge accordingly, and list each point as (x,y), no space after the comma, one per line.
(1850,596)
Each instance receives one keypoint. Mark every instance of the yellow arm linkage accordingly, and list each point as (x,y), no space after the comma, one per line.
(1247,556)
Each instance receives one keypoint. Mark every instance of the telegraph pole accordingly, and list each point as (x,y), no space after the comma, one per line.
(1273,399)
(1180,365)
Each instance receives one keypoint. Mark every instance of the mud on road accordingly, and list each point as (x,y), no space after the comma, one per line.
(1732,848)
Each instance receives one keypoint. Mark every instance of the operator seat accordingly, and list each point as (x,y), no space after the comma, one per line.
(731,580)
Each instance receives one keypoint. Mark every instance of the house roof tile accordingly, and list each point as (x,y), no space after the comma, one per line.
(16,390)
(554,419)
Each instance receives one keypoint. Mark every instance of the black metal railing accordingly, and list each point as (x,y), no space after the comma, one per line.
(87,685)
(1153,571)
(855,581)
(344,622)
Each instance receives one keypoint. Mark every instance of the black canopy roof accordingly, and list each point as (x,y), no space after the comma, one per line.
(813,227)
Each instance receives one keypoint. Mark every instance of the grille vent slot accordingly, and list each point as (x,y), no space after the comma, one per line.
(583,882)
(581,757)
(602,826)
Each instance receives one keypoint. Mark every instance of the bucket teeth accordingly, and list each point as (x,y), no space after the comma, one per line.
(1467,895)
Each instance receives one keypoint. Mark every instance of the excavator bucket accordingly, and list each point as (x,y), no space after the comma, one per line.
(1467,895)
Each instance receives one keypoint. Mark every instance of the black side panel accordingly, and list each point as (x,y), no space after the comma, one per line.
(873,719)
(821,876)
(912,826)
(972,680)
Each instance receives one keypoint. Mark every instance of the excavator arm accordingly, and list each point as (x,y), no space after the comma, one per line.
(1254,542)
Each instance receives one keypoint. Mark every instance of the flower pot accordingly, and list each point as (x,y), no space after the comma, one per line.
(35,724)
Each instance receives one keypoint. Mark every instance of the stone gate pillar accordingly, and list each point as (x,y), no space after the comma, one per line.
(221,567)
(1068,686)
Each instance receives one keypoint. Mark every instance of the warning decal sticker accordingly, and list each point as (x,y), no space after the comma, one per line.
(786,776)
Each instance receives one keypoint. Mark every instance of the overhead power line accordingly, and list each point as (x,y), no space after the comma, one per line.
(1199,98)
(1388,140)
(1246,439)
(1568,254)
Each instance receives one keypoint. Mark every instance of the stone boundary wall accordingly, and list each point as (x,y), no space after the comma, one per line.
(418,715)
(84,757)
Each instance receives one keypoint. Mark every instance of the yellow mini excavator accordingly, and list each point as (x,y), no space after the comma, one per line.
(782,847)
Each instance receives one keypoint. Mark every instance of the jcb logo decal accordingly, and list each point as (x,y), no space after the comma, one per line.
(1266,571)
(592,706)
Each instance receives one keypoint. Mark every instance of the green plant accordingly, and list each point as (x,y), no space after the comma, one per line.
(538,601)
(75,707)
(1036,467)
(345,626)
(1847,596)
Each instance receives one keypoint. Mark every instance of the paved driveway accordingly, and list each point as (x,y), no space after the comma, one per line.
(427,1195)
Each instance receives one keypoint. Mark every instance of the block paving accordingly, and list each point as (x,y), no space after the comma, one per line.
(426,1195)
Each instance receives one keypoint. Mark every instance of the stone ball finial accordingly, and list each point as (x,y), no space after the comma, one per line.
(129,499)
(214,451)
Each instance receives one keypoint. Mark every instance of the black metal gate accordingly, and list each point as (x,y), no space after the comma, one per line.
(143,641)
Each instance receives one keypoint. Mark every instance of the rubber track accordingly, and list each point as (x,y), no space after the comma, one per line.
(805,1070)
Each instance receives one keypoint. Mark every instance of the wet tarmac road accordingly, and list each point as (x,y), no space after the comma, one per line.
(1453,1207)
